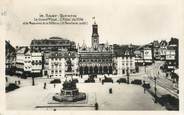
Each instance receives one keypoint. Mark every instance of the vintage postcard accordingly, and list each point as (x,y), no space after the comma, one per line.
(114,55)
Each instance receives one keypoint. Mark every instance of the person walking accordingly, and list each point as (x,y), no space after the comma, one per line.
(44,87)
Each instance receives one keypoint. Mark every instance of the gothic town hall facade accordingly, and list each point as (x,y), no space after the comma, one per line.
(97,59)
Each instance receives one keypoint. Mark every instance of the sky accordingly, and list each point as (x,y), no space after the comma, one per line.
(119,21)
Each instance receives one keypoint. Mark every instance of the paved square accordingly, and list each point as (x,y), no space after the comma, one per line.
(123,97)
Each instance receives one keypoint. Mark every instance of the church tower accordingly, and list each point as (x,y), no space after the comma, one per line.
(95,36)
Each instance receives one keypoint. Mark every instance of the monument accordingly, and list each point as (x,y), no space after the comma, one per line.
(69,92)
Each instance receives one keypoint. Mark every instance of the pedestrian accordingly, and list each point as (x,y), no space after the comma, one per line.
(15,82)
(96,106)
(166,75)
(54,85)
(110,90)
(144,86)
(44,87)
(19,82)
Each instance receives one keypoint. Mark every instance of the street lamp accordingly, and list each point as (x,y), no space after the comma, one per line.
(144,64)
(155,81)
(33,81)
(127,72)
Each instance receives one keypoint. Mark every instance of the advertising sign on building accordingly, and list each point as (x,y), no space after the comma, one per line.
(147,54)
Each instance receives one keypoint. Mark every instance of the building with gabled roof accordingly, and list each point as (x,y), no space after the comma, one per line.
(10,55)
(60,63)
(124,60)
(96,59)
(20,58)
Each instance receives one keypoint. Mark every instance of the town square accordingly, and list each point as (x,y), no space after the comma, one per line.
(57,74)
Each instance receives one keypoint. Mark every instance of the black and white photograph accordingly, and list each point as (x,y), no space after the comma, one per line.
(92,55)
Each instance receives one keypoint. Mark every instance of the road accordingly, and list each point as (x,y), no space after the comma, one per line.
(161,80)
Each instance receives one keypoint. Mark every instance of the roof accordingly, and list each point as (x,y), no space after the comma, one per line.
(22,50)
(53,41)
(123,50)
(63,54)
(143,46)
(28,52)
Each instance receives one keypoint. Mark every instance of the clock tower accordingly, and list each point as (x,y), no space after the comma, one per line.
(95,36)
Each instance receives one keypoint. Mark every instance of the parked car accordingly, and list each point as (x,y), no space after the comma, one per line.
(121,80)
(55,81)
(107,80)
(170,102)
(11,87)
(146,85)
(137,82)
(90,80)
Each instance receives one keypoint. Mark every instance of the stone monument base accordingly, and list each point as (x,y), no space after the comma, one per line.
(49,103)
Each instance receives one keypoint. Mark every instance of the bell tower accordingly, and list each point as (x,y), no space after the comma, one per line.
(95,36)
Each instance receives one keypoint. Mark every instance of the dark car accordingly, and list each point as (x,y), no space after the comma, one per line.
(146,85)
(137,82)
(90,79)
(55,81)
(107,80)
(170,102)
(121,80)
(11,87)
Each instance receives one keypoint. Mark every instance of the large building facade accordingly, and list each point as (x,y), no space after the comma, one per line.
(20,60)
(61,63)
(10,54)
(124,61)
(96,59)
(37,63)
(27,63)
(144,54)
(51,45)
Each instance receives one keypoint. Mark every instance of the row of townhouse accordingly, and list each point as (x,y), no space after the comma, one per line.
(10,55)
(155,51)
(28,63)
(32,63)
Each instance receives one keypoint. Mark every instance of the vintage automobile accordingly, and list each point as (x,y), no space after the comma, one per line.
(55,81)
(106,79)
(121,80)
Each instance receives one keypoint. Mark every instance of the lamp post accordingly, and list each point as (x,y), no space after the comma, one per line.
(127,72)
(33,81)
(144,64)
(155,81)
